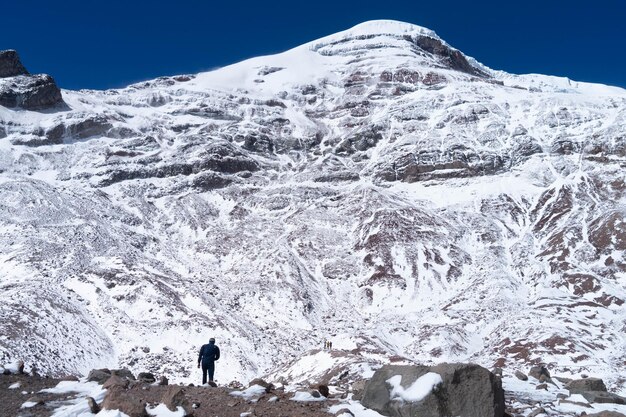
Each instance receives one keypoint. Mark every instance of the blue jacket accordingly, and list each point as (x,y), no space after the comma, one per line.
(208,353)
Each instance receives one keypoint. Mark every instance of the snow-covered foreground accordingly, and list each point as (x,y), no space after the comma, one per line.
(375,188)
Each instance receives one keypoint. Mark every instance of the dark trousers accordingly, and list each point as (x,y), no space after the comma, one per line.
(210,367)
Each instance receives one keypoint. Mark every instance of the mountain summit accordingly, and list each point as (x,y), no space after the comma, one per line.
(376,188)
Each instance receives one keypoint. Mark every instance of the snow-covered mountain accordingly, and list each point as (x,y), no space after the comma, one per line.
(376,187)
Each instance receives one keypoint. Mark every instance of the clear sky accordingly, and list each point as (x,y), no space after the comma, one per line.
(105,44)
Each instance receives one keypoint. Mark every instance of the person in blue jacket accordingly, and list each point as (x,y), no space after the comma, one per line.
(208,355)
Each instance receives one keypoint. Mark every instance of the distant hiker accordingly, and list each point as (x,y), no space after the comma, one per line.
(208,355)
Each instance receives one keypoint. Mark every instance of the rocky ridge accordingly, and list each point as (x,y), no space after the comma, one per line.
(377,188)
(19,89)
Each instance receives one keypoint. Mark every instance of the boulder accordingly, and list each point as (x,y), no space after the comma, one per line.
(578,386)
(323,389)
(536,412)
(465,389)
(31,92)
(36,400)
(93,405)
(20,368)
(357,389)
(119,399)
(163,380)
(520,375)
(147,377)
(537,371)
(10,64)
(258,381)
(115,381)
(124,373)
(175,397)
(603,397)
(344,412)
(99,375)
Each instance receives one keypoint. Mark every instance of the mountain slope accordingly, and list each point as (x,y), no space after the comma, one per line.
(375,187)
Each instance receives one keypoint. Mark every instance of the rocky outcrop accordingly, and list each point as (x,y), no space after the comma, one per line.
(216,158)
(466,389)
(455,162)
(30,92)
(82,128)
(20,89)
(10,64)
(453,58)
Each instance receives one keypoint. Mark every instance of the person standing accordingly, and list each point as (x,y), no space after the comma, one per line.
(208,355)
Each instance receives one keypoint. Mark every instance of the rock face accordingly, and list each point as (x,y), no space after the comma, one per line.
(31,92)
(466,390)
(19,89)
(10,64)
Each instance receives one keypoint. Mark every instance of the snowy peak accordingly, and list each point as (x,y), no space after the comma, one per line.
(364,54)
(393,38)
(373,29)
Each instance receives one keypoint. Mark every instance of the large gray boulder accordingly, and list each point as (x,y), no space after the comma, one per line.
(10,64)
(578,386)
(99,375)
(467,390)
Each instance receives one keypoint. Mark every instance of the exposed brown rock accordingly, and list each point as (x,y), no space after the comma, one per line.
(174,397)
(125,401)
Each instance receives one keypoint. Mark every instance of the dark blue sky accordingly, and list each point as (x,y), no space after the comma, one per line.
(104,44)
